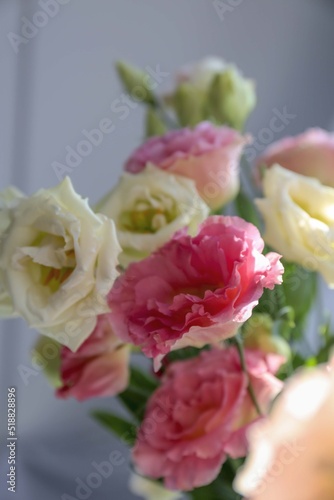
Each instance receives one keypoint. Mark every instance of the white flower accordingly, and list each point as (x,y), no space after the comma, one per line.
(299,216)
(292,451)
(151,490)
(149,207)
(57,261)
(201,73)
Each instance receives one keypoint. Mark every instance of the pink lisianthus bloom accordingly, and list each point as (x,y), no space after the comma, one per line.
(194,291)
(207,154)
(99,368)
(310,154)
(200,415)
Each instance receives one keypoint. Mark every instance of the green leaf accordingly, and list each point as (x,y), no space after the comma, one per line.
(136,82)
(246,209)
(300,288)
(221,488)
(218,490)
(154,124)
(186,353)
(134,400)
(326,350)
(268,303)
(122,428)
(142,381)
(297,361)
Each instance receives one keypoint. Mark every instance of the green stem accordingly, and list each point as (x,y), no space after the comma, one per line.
(251,391)
(160,108)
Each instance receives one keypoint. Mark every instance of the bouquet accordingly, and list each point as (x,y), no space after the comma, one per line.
(186,292)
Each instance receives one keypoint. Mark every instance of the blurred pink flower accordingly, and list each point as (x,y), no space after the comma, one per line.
(194,291)
(292,452)
(207,154)
(310,154)
(200,415)
(99,368)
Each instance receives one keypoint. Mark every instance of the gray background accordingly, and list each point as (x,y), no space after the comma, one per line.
(62,82)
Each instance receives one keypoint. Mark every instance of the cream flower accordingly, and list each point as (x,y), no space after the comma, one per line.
(58,262)
(151,490)
(149,207)
(299,216)
(292,452)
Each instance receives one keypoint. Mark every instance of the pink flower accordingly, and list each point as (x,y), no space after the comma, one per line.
(207,154)
(194,291)
(310,154)
(200,414)
(99,368)
(292,451)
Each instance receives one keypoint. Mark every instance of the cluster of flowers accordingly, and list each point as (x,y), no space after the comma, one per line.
(149,267)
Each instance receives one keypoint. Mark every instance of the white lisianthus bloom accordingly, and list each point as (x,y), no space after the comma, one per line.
(58,262)
(201,73)
(149,207)
(299,215)
(151,490)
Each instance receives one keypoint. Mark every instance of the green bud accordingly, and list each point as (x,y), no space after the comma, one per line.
(258,334)
(154,124)
(189,103)
(47,355)
(136,82)
(231,98)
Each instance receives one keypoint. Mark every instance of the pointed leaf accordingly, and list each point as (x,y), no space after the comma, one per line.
(246,208)
(142,381)
(119,426)
(134,401)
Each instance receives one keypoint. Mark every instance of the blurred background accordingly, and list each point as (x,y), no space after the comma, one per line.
(57,80)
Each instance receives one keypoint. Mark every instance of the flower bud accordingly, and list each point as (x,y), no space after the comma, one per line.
(231,98)
(258,333)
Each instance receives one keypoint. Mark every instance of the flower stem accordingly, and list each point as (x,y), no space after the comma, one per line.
(240,347)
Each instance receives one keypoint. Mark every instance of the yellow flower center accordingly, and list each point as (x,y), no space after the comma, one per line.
(149,216)
(50,260)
